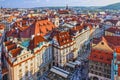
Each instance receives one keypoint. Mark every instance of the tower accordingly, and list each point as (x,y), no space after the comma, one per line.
(1,7)
(67,7)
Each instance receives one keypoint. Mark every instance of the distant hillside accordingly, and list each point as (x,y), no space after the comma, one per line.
(115,6)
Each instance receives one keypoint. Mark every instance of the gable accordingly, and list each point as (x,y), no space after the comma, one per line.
(103,45)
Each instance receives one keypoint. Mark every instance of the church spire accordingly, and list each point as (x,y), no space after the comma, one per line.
(67,7)
(1,7)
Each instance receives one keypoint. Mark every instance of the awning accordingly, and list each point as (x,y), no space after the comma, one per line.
(74,63)
(60,72)
(70,65)
(78,62)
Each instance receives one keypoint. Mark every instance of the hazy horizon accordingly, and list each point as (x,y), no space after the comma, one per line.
(54,3)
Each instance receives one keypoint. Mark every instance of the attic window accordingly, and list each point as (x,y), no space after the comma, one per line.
(102,43)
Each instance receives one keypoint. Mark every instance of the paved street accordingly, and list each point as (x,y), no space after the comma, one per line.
(80,73)
(76,75)
(44,78)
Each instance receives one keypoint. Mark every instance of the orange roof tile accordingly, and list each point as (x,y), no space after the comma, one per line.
(63,11)
(35,42)
(101,56)
(113,29)
(8,43)
(112,21)
(16,51)
(96,40)
(118,49)
(63,38)
(43,27)
(112,41)
(11,46)
(2,26)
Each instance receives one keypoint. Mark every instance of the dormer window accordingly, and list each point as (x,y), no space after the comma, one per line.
(41,31)
(40,25)
(43,24)
(48,24)
(47,30)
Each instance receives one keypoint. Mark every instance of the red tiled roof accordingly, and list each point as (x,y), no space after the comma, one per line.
(118,58)
(9,33)
(12,33)
(12,46)
(63,11)
(63,38)
(78,28)
(23,26)
(16,51)
(113,40)
(113,29)
(93,20)
(89,25)
(112,21)
(118,49)
(35,42)
(101,56)
(2,26)
(96,40)
(8,43)
(43,27)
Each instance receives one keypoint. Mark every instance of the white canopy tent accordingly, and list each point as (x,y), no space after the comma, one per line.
(70,65)
(59,71)
(78,62)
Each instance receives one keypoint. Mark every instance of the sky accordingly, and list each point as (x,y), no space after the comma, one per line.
(45,3)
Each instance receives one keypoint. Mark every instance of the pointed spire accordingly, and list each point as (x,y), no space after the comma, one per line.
(67,7)
(1,7)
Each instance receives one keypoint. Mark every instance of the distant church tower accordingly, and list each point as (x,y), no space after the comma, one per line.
(1,7)
(67,7)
